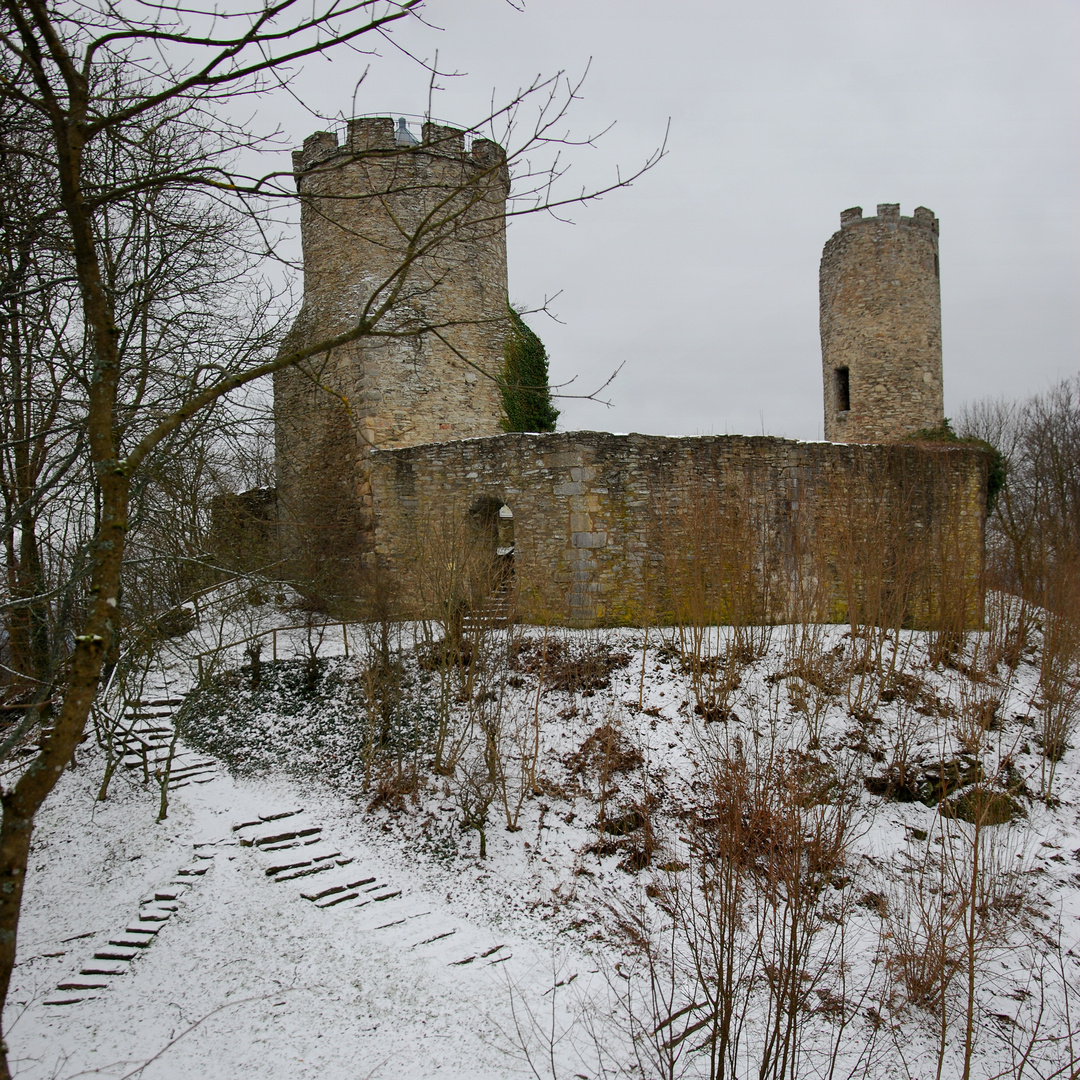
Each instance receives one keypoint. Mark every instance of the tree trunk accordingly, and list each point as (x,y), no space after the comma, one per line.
(22,802)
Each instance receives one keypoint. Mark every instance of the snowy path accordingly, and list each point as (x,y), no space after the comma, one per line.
(261,939)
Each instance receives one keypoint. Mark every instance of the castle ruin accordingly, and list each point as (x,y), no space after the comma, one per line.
(407,236)
(391,460)
(881,326)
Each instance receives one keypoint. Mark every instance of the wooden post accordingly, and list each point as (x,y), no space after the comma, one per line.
(345,638)
(275,644)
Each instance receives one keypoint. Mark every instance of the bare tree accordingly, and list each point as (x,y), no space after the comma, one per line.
(97,80)
(1035,526)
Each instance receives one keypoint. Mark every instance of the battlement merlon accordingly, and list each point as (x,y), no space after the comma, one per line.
(889,213)
(378,134)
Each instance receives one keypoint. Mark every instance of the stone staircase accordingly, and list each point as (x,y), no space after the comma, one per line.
(112,960)
(493,612)
(291,847)
(148,742)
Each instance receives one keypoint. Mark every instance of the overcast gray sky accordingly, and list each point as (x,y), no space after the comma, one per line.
(703,276)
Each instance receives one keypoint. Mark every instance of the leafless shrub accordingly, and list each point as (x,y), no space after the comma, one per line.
(396,784)
(474,785)
(605,753)
(1009,622)
(814,672)
(726,978)
(1035,524)
(950,917)
(1059,669)
(979,709)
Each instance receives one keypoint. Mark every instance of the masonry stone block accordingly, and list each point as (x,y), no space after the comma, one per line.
(588,539)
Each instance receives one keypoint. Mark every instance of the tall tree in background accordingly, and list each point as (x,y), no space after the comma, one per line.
(526,393)
(1034,531)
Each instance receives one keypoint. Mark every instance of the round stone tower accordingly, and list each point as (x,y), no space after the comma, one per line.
(404,237)
(881,326)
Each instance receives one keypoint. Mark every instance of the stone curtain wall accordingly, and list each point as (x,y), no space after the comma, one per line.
(424,225)
(881,322)
(612,529)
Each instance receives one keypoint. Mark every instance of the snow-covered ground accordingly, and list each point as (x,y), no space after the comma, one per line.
(409,956)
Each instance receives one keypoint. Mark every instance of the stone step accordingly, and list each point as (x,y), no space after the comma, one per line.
(297,843)
(332,889)
(307,848)
(186,776)
(309,871)
(136,761)
(159,753)
(135,741)
(277,837)
(183,767)
(282,867)
(131,941)
(264,819)
(298,864)
(82,985)
(183,777)
(333,901)
(68,1000)
(166,907)
(436,937)
(101,969)
(154,753)
(116,954)
(193,871)
(147,928)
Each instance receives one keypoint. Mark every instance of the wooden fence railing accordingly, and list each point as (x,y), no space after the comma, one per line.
(272,633)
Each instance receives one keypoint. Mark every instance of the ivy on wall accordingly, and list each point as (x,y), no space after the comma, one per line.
(525,391)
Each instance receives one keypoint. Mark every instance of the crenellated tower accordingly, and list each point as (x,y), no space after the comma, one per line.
(404,235)
(881,326)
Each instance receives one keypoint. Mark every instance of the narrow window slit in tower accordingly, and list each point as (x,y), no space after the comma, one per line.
(843,390)
(937,267)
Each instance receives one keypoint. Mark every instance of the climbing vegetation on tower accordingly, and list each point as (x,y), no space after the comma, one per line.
(525,390)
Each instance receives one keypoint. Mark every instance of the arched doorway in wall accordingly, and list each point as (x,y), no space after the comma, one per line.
(491,526)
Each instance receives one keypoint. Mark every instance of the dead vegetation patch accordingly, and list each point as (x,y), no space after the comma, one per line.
(559,667)
(606,752)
